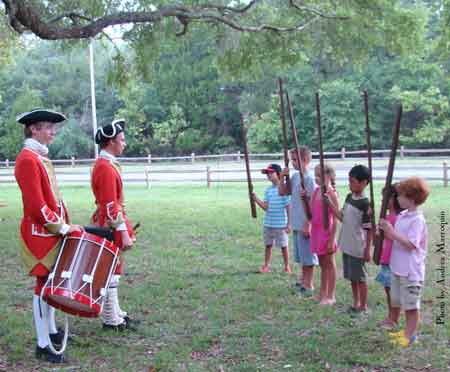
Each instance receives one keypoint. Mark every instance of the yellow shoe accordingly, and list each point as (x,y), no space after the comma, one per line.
(398,334)
(404,341)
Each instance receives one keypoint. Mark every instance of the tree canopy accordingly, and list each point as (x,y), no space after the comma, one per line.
(182,86)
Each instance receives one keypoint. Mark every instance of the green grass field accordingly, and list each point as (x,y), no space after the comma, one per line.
(192,280)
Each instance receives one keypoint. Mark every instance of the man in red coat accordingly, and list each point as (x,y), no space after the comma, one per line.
(107,187)
(45,220)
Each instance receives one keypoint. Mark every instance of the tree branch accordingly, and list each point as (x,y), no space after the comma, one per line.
(316,11)
(25,17)
(224,9)
(72,16)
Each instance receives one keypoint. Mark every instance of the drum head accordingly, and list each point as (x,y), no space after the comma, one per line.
(79,305)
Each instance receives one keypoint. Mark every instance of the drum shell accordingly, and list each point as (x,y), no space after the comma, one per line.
(90,261)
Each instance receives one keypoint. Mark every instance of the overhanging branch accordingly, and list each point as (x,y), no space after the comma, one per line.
(25,17)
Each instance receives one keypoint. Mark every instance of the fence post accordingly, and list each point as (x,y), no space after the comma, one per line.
(343,153)
(72,161)
(7,163)
(149,158)
(445,174)
(402,152)
(208,177)
(238,156)
(147,176)
(193,158)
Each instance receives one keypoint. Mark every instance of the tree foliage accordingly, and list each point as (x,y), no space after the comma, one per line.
(185,94)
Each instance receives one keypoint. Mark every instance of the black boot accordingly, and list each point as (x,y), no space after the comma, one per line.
(46,354)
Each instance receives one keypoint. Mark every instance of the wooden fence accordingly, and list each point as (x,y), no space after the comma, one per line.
(206,168)
(209,175)
(193,158)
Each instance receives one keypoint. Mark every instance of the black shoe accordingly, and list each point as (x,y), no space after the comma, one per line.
(131,322)
(46,354)
(118,328)
(128,325)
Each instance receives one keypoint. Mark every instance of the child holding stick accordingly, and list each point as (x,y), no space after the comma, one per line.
(277,218)
(301,226)
(409,251)
(355,236)
(323,242)
(384,276)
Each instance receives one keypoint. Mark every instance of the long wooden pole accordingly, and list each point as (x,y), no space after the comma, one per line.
(369,158)
(283,128)
(305,200)
(247,168)
(322,166)
(378,243)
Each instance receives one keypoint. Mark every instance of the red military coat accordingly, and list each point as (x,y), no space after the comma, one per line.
(45,217)
(107,186)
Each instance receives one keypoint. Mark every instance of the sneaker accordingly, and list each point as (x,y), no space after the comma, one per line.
(46,354)
(264,269)
(403,341)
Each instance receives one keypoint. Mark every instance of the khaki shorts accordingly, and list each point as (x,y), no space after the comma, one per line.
(275,236)
(405,293)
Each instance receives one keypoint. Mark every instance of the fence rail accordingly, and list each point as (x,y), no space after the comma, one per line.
(149,174)
(343,154)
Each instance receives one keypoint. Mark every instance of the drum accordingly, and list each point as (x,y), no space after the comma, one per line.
(81,274)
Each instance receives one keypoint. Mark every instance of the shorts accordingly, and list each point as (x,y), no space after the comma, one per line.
(384,276)
(354,268)
(275,236)
(405,293)
(302,250)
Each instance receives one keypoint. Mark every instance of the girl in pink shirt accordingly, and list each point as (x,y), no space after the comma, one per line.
(384,276)
(323,242)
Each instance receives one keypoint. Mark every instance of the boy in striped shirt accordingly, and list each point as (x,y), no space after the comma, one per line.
(277,218)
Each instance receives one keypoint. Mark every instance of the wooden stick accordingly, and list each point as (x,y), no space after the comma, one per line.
(247,168)
(369,158)
(322,166)
(305,200)
(283,128)
(378,243)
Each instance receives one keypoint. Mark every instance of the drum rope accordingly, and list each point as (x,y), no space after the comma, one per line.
(66,326)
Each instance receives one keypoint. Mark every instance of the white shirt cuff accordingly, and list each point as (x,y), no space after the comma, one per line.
(122,227)
(64,229)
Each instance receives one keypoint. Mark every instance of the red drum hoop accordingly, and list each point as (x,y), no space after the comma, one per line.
(81,274)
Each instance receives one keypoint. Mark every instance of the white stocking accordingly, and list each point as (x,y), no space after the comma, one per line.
(110,313)
(40,321)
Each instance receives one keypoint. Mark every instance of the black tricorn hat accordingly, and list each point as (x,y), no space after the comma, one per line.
(38,115)
(110,131)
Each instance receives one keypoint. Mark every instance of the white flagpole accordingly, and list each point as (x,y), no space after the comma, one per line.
(93,104)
